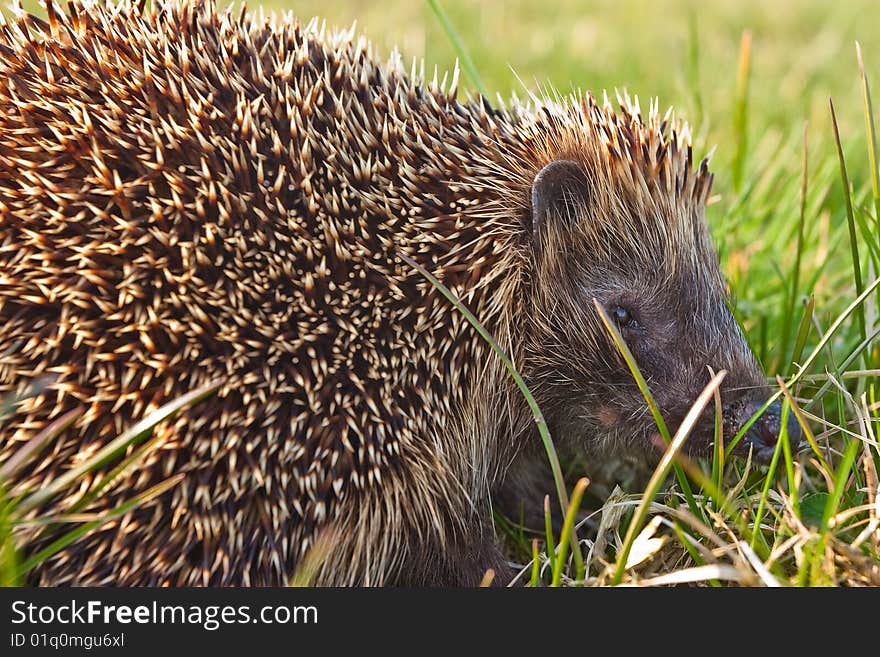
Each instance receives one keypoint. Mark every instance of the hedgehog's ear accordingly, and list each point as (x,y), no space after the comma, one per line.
(556,192)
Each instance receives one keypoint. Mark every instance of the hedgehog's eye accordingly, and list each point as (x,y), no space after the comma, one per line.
(623,317)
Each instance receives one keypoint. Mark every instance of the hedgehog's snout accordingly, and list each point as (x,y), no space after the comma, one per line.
(763,435)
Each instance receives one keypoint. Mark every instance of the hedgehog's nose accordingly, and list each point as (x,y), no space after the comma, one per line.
(764,433)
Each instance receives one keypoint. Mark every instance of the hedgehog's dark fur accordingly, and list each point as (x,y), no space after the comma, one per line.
(187,195)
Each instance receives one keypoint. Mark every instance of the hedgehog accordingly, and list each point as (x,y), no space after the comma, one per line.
(190,195)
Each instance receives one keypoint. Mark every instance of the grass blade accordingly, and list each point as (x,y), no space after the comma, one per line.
(74,535)
(649,399)
(567,529)
(662,470)
(873,354)
(9,567)
(872,137)
(803,331)
(840,477)
(309,567)
(762,501)
(33,447)
(548,534)
(115,475)
(841,371)
(521,384)
(851,222)
(787,454)
(803,424)
(466,62)
(536,565)
(741,107)
(10,401)
(718,443)
(799,249)
(688,545)
(115,447)
(802,369)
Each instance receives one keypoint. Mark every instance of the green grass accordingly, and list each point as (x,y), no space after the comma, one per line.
(34,517)
(794,213)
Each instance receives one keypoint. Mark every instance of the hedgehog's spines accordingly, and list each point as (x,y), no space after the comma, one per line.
(215,195)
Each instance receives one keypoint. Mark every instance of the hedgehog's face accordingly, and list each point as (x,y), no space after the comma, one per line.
(659,281)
